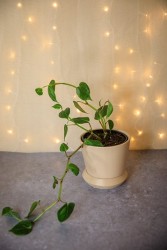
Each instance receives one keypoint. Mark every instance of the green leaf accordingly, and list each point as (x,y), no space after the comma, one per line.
(65,131)
(32,208)
(8,211)
(55,182)
(22,228)
(57,106)
(73,168)
(51,91)
(109,109)
(110,124)
(83,91)
(91,142)
(65,211)
(64,113)
(79,107)
(39,91)
(101,112)
(80,120)
(63,147)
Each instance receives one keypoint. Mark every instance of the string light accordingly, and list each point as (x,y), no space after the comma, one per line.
(137,112)
(159,101)
(52,62)
(148,84)
(162,115)
(19,5)
(56,140)
(10,131)
(165,14)
(161,135)
(132,139)
(116,47)
(55,5)
(115,86)
(107,33)
(24,38)
(12,72)
(131,51)
(106,9)
(30,19)
(121,106)
(147,30)
(139,132)
(12,55)
(8,107)
(142,98)
(117,70)
(54,27)
(26,140)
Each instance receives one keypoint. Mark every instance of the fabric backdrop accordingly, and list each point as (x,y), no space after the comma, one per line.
(118,47)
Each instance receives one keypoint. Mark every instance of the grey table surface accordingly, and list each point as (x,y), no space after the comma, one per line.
(131,216)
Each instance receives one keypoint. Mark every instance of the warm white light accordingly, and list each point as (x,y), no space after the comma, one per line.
(26,140)
(52,62)
(54,5)
(78,111)
(121,106)
(161,135)
(118,119)
(162,115)
(115,86)
(107,34)
(54,27)
(30,19)
(19,5)
(8,107)
(139,132)
(147,30)
(9,91)
(116,47)
(132,71)
(132,139)
(137,112)
(106,9)
(150,76)
(10,131)
(148,85)
(159,101)
(131,51)
(142,98)
(12,55)
(56,140)
(12,72)
(165,13)
(24,38)
(117,70)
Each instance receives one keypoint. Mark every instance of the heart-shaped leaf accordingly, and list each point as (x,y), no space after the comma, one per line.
(83,91)
(39,91)
(65,211)
(32,208)
(51,90)
(57,106)
(80,120)
(91,142)
(8,211)
(73,168)
(64,113)
(109,109)
(22,228)
(63,147)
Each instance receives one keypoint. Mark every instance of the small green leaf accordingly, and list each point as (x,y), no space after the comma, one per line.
(65,211)
(57,106)
(22,228)
(65,131)
(79,107)
(8,211)
(64,147)
(83,91)
(110,124)
(55,182)
(101,112)
(91,142)
(39,91)
(80,120)
(109,109)
(64,113)
(73,168)
(32,208)
(51,91)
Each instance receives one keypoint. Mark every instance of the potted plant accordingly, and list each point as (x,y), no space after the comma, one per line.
(104,152)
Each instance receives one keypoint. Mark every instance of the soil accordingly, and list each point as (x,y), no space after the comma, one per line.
(112,138)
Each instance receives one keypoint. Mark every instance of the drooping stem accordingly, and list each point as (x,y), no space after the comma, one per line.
(45,210)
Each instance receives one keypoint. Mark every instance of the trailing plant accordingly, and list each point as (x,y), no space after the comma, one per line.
(102,114)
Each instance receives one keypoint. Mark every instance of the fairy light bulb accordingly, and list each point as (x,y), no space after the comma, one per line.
(54,27)
(142,98)
(139,132)
(148,84)
(131,51)
(26,140)
(132,139)
(56,140)
(106,8)
(8,107)
(162,115)
(165,14)
(121,106)
(137,112)
(12,55)
(55,5)
(116,47)
(159,101)
(19,5)
(10,131)
(24,38)
(161,135)
(107,33)
(117,70)
(115,86)
(52,62)
(30,19)
(12,72)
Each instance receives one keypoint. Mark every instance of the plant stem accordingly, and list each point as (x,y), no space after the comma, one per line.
(45,210)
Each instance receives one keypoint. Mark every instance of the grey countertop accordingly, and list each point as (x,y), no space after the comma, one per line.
(131,216)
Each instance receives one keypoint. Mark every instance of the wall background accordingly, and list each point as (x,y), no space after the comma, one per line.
(118,47)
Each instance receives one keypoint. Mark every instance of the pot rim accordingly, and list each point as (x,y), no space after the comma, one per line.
(117,130)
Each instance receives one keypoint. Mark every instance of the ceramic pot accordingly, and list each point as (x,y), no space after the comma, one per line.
(105,166)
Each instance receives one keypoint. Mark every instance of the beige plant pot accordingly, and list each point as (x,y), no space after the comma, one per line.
(105,166)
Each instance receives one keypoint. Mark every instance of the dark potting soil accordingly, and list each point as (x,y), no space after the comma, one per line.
(112,138)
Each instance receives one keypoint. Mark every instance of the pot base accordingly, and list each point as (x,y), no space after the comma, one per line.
(105,183)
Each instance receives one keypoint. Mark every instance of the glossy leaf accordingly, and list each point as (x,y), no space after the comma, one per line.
(101,112)
(22,228)
(8,211)
(76,104)
(55,182)
(65,211)
(109,109)
(39,91)
(91,142)
(110,124)
(51,91)
(63,147)
(73,168)
(57,106)
(83,91)
(64,113)
(65,131)
(32,208)
(80,120)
